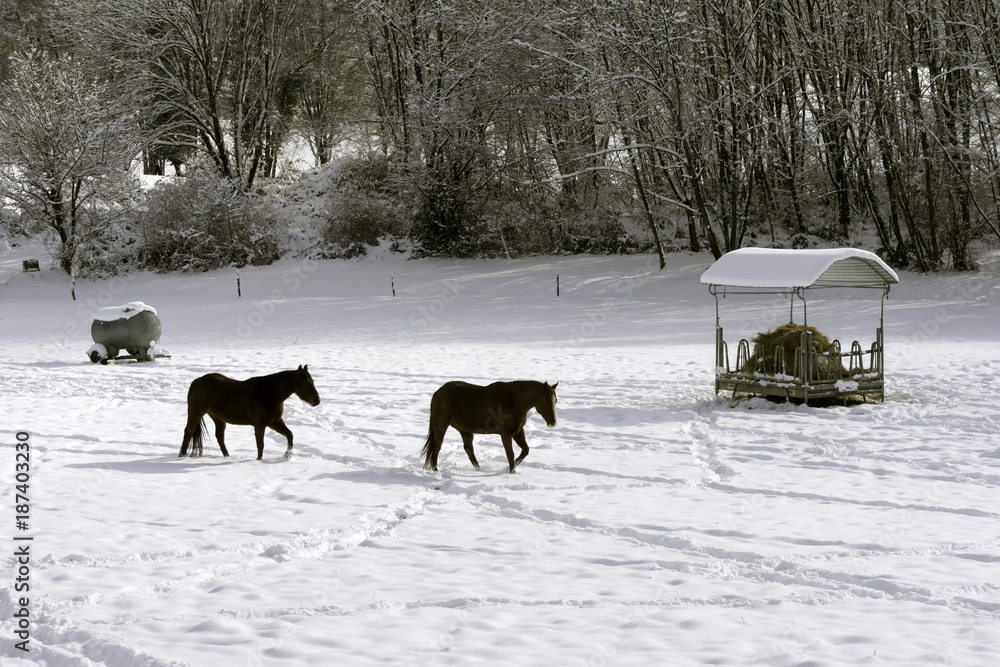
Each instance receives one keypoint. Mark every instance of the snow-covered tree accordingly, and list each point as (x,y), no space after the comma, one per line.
(446,79)
(66,146)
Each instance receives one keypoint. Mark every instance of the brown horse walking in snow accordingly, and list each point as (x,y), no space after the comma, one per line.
(500,408)
(258,402)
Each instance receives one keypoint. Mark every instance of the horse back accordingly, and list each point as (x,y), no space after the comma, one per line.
(221,396)
(477,409)
(459,395)
(213,382)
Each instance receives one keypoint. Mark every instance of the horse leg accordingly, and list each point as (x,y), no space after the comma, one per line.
(508,447)
(191,432)
(281,428)
(467,440)
(220,435)
(258,431)
(436,438)
(432,444)
(519,439)
(188,434)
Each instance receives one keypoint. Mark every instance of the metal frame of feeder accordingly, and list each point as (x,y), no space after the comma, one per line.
(800,375)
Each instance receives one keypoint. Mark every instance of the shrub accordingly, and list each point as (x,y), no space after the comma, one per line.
(366,204)
(201,222)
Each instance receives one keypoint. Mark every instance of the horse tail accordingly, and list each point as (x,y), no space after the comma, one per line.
(197,441)
(430,448)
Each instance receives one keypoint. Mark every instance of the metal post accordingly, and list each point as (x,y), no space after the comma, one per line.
(718,330)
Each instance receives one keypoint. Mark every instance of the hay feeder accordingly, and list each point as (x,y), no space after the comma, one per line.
(807,371)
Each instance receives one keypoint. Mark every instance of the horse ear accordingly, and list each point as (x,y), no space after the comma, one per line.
(555,385)
(303,368)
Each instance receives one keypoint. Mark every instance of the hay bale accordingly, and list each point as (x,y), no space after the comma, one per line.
(789,337)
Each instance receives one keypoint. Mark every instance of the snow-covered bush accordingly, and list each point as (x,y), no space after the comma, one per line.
(366,203)
(201,222)
(109,250)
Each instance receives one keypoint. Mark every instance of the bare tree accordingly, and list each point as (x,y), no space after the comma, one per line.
(210,70)
(330,91)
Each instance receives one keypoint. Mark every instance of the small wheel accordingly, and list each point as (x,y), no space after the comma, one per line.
(95,356)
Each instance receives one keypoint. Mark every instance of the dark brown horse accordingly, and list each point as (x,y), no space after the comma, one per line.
(501,408)
(258,402)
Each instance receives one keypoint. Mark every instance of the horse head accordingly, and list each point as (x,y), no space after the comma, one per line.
(546,404)
(304,387)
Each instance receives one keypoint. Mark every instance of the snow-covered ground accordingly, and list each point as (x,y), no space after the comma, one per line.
(655,525)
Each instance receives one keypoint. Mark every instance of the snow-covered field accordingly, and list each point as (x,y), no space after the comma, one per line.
(655,525)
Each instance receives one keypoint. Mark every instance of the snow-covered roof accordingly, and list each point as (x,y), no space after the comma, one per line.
(123,312)
(779,268)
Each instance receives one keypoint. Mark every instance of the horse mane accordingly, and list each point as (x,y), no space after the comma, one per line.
(274,376)
(281,383)
(533,384)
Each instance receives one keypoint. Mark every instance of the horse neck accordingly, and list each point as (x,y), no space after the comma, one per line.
(281,385)
(528,394)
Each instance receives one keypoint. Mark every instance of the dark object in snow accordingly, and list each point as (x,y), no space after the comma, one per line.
(133,327)
(29,265)
(257,402)
(501,408)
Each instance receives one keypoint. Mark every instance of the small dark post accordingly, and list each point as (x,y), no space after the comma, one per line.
(392,281)
(239,292)
(72,289)
(557,284)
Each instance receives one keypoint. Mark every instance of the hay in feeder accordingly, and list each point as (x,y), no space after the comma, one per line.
(789,337)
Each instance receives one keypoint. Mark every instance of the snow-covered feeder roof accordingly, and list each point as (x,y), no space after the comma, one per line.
(773,268)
